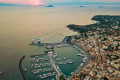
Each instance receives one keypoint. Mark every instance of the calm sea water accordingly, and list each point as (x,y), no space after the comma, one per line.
(18,25)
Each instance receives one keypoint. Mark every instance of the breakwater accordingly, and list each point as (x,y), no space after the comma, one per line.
(66,40)
(21,68)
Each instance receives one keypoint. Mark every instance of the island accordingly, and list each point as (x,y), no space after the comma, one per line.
(50,6)
(100,6)
(81,6)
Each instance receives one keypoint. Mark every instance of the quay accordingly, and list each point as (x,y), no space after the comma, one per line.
(65,41)
(77,71)
(21,68)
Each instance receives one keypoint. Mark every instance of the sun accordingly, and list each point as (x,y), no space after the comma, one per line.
(37,3)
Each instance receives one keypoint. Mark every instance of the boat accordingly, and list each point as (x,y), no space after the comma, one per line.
(25,69)
(78,54)
(1,73)
(70,62)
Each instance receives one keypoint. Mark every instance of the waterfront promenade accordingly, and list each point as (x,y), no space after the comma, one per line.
(77,71)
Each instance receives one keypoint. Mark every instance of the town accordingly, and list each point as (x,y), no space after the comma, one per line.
(102,41)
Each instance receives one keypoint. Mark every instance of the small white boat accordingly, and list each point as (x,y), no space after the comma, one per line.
(1,73)
(78,54)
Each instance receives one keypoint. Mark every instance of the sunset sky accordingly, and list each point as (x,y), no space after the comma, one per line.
(41,2)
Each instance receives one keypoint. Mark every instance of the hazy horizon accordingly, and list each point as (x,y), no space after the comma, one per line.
(62,2)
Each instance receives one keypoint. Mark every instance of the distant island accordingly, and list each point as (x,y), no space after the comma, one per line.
(100,6)
(50,6)
(8,4)
(81,6)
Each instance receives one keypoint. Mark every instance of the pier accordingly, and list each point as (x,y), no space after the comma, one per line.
(54,65)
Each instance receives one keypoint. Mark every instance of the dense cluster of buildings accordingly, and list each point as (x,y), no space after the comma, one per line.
(105,61)
(102,42)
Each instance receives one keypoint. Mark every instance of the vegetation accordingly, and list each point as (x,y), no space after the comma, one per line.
(62,77)
(110,25)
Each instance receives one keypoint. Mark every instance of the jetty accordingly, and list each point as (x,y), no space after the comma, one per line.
(54,65)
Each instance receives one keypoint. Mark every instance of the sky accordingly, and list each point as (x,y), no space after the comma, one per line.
(42,2)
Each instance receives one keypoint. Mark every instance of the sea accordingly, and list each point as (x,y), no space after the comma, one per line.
(20,24)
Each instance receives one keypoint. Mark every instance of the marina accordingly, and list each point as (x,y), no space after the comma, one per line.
(42,68)
(66,59)
(55,60)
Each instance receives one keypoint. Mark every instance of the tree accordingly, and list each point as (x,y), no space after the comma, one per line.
(61,77)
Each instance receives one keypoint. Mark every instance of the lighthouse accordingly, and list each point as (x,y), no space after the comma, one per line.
(33,41)
(39,43)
